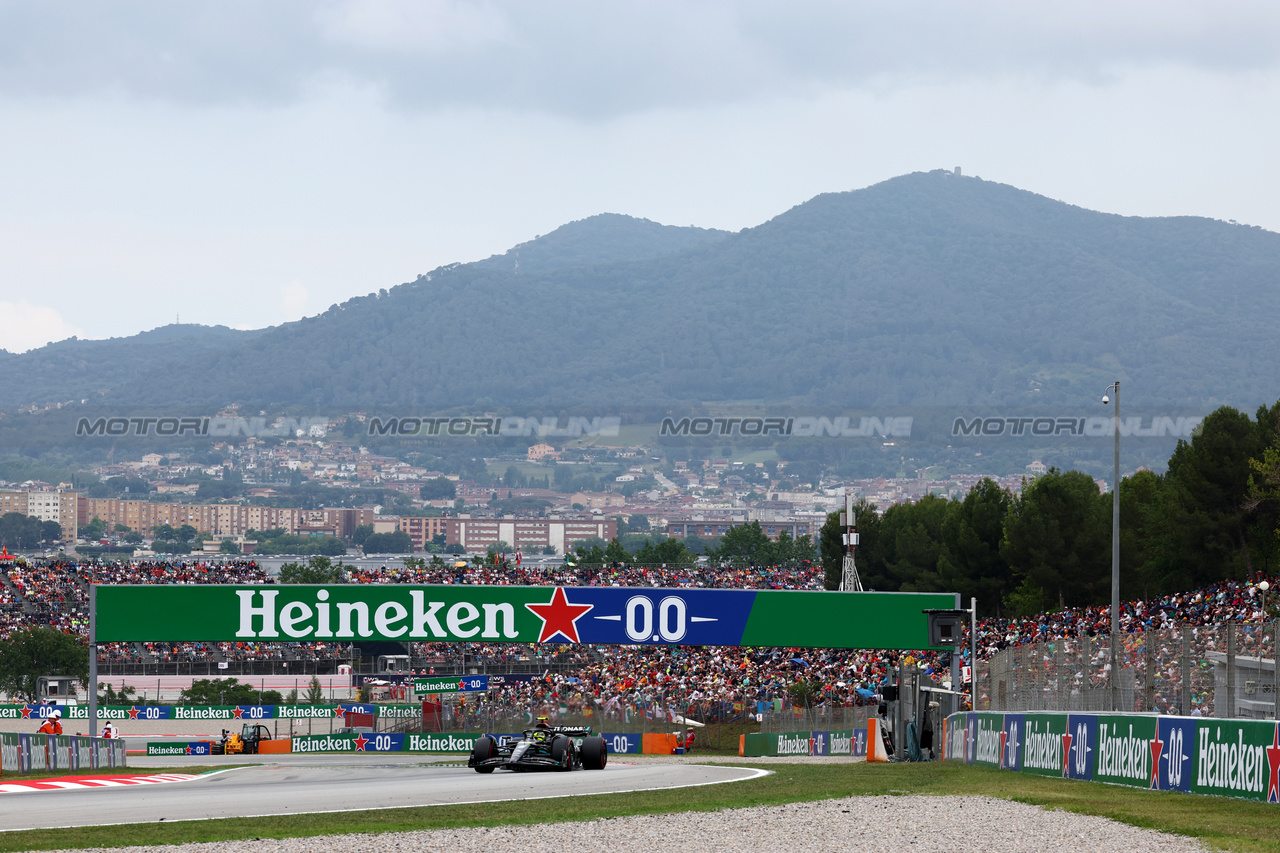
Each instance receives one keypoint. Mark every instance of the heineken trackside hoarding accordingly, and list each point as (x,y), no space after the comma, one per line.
(207,712)
(1128,751)
(988,739)
(1238,758)
(195,747)
(1177,736)
(1043,737)
(1235,758)
(1011,742)
(506,614)
(1081,745)
(451,684)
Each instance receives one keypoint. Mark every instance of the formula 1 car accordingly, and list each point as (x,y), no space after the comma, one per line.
(550,748)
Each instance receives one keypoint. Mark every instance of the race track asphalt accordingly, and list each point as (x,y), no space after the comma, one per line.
(332,783)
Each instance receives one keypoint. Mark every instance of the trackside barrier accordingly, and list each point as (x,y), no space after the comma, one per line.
(846,742)
(876,750)
(21,752)
(1198,755)
(246,713)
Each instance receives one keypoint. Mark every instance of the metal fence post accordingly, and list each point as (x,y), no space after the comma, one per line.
(1185,700)
(1230,710)
(1150,664)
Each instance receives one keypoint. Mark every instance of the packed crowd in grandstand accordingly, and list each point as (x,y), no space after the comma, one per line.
(616,679)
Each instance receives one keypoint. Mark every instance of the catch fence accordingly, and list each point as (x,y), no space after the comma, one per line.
(1224,669)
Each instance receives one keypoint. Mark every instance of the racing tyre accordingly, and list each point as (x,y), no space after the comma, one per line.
(483,750)
(594,753)
(562,752)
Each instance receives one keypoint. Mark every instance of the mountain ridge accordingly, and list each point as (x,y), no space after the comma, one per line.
(926,289)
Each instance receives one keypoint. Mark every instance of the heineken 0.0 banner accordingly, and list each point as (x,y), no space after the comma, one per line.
(1234,758)
(207,712)
(451,684)
(507,614)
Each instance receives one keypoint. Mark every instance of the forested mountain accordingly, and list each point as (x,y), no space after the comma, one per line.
(77,369)
(600,239)
(929,288)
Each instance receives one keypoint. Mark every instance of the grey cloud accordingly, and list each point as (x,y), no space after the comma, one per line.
(595,59)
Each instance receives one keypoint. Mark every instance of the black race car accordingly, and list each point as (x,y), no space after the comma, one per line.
(550,748)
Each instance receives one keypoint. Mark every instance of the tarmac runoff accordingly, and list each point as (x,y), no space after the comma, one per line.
(305,784)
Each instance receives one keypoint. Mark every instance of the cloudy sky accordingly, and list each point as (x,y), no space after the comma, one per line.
(250,163)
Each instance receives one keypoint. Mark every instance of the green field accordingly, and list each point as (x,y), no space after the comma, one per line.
(1221,823)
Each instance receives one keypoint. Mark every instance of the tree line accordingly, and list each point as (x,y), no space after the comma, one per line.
(1213,515)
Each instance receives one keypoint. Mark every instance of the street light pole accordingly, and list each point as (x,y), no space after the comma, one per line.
(1115,554)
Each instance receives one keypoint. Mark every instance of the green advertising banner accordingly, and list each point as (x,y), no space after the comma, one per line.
(989,746)
(1237,758)
(1042,744)
(1200,755)
(1124,752)
(758,744)
(507,614)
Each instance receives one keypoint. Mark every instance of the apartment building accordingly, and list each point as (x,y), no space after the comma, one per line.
(527,534)
(222,519)
(55,505)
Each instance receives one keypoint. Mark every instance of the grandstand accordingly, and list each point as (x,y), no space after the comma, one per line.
(54,594)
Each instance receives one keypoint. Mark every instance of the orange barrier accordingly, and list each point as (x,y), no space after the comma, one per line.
(658,743)
(275,746)
(875,742)
(742,745)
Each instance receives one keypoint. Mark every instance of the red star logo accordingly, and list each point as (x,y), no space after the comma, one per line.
(1066,753)
(360,742)
(1157,746)
(133,712)
(337,710)
(559,616)
(462,685)
(1273,762)
(1004,739)
(237,712)
(189,749)
(26,712)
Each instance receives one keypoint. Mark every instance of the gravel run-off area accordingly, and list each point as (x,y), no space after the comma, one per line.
(879,824)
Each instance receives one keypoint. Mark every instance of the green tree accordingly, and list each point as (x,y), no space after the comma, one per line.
(971,563)
(361,533)
(744,543)
(911,534)
(673,552)
(94,529)
(20,531)
(615,553)
(1057,537)
(441,488)
(124,696)
(51,531)
(30,653)
(228,546)
(315,692)
(1212,516)
(227,691)
(317,570)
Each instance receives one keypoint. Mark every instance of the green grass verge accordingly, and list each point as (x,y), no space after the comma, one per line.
(1222,823)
